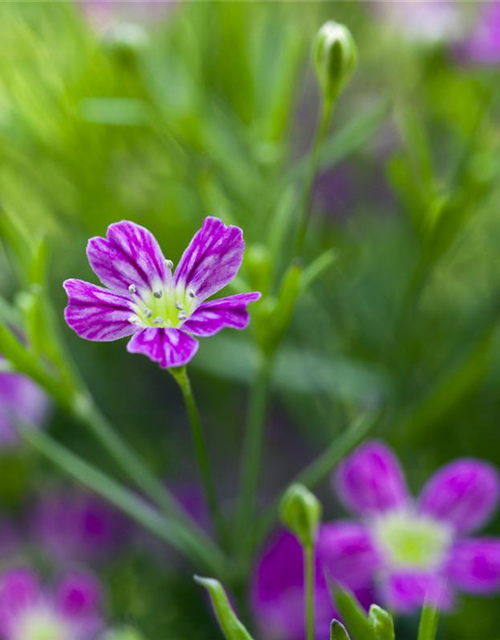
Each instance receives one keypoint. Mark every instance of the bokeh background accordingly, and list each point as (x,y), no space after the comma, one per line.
(163,113)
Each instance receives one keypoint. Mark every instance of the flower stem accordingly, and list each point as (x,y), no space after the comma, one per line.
(312,168)
(182,379)
(309,598)
(175,533)
(428,623)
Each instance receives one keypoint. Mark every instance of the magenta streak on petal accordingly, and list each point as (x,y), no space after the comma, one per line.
(407,591)
(464,493)
(370,480)
(129,255)
(211,317)
(474,565)
(168,347)
(97,314)
(212,258)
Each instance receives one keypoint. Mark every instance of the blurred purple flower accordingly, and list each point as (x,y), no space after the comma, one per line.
(20,399)
(414,549)
(483,44)
(160,310)
(103,13)
(28,610)
(75,526)
(277,591)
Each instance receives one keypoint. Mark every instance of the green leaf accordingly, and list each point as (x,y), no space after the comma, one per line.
(231,627)
(381,622)
(352,613)
(338,631)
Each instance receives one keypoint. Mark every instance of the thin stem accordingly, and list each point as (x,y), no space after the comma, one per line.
(200,447)
(428,623)
(309,598)
(252,453)
(172,532)
(312,168)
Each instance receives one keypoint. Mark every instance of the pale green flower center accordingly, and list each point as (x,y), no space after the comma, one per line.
(411,540)
(42,624)
(164,306)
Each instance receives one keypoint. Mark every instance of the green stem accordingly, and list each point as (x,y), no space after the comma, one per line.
(200,447)
(309,599)
(324,464)
(252,453)
(312,168)
(428,623)
(172,532)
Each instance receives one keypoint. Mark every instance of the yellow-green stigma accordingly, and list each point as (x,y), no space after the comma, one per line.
(164,306)
(411,540)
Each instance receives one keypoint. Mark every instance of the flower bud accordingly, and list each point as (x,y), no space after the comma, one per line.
(300,512)
(335,56)
(338,631)
(381,623)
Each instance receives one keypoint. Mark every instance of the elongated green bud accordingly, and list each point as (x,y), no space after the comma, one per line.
(381,622)
(300,511)
(335,57)
(338,631)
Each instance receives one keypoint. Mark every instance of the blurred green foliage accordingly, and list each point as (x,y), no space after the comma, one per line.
(213,113)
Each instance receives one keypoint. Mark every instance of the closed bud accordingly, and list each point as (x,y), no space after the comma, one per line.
(335,56)
(381,622)
(300,512)
(338,631)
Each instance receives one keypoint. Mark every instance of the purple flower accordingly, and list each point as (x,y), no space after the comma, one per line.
(277,592)
(76,526)
(160,310)
(28,611)
(20,399)
(483,44)
(414,549)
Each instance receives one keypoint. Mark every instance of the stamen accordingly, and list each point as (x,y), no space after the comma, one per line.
(132,288)
(191,293)
(182,316)
(134,320)
(158,294)
(148,313)
(179,306)
(158,321)
(169,264)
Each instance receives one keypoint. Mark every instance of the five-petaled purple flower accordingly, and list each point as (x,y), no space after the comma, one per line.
(414,549)
(161,310)
(28,611)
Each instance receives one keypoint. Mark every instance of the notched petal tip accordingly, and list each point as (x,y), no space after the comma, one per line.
(168,347)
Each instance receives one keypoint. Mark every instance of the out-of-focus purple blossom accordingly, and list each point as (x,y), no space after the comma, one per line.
(414,550)
(483,44)
(161,310)
(20,399)
(428,22)
(75,526)
(28,610)
(277,591)
(101,14)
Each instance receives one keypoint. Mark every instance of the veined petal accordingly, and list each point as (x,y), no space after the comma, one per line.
(370,480)
(463,493)
(212,316)
(97,314)
(407,591)
(211,260)
(168,347)
(347,554)
(129,255)
(474,565)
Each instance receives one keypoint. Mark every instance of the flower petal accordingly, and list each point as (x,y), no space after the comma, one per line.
(128,255)
(370,480)
(79,596)
(474,565)
(19,589)
(168,347)
(211,260)
(211,317)
(97,314)
(347,554)
(408,590)
(463,493)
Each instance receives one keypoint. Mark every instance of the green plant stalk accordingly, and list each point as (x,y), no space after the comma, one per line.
(204,466)
(312,168)
(309,599)
(172,532)
(428,623)
(252,453)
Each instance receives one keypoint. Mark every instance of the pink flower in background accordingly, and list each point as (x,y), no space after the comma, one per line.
(161,310)
(29,611)
(414,549)
(483,44)
(75,526)
(20,399)
(104,13)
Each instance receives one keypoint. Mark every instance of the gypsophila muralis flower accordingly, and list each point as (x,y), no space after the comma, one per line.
(162,310)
